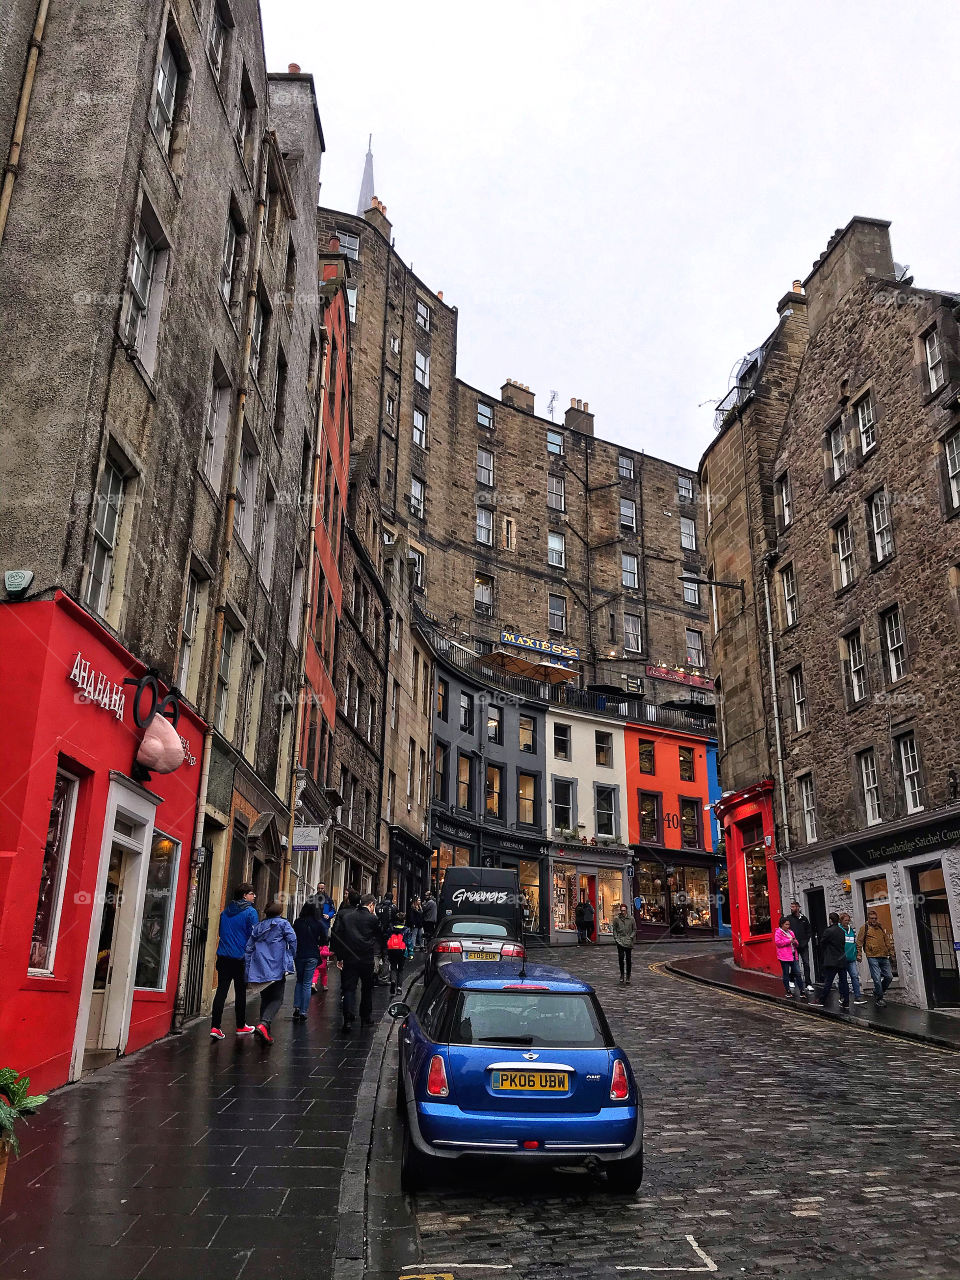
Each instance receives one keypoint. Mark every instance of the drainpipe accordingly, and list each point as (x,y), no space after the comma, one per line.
(304,628)
(776,724)
(12,167)
(222,584)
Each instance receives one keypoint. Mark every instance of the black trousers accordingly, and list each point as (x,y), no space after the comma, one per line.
(350,975)
(804,953)
(396,967)
(625,957)
(271,998)
(230,970)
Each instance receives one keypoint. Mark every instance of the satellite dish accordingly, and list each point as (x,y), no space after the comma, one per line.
(900,272)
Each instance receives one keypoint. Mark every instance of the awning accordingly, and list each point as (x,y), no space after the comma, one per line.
(512,664)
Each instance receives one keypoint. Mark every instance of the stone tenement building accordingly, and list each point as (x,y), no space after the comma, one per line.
(158,401)
(850,513)
(519,526)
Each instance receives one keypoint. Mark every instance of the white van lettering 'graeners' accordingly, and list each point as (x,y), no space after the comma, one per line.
(498,896)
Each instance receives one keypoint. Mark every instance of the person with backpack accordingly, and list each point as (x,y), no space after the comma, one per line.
(397,940)
(270,953)
(386,914)
(236,925)
(877,945)
(311,936)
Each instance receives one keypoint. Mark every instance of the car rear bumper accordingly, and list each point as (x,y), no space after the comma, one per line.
(444,1131)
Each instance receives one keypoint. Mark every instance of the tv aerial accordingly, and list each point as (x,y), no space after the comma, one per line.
(551,403)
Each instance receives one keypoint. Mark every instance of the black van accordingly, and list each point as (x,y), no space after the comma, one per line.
(482,891)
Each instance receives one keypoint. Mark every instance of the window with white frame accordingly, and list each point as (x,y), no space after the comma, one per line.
(866,423)
(628,514)
(555,443)
(230,260)
(485,526)
(894,643)
(268,535)
(218,41)
(423,315)
(53,873)
(838,450)
(188,634)
(910,772)
(165,96)
(258,335)
(421,370)
(631,632)
(563,804)
(483,593)
(555,493)
(557,550)
(557,614)
(418,565)
(420,428)
(395,345)
(352,303)
(808,807)
(246,491)
(349,244)
(685,488)
(106,530)
(629,570)
(788,583)
(694,643)
(856,662)
(222,711)
(509,534)
(390,406)
(484,415)
(146,273)
(691,591)
(870,784)
(846,567)
(624,467)
(688,533)
(156,922)
(799,691)
(935,366)
(951,447)
(485,467)
(246,118)
(882,523)
(785,499)
(417,490)
(605,810)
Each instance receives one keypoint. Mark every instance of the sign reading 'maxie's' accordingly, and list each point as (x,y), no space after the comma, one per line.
(552,647)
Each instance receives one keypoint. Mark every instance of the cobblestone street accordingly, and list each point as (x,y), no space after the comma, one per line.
(785,1146)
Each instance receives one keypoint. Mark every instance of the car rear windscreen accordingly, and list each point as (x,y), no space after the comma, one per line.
(475,928)
(542,1019)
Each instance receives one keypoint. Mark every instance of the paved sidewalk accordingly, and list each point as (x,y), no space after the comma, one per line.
(893,1019)
(193,1159)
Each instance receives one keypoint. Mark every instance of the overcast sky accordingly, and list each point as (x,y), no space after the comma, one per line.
(615,194)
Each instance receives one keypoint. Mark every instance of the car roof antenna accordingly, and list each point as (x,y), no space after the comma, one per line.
(522,975)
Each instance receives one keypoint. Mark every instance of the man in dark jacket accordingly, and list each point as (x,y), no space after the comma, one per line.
(429,916)
(833,950)
(802,931)
(236,925)
(355,940)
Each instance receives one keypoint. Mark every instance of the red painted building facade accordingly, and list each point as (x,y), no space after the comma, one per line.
(94,865)
(754,887)
(668,807)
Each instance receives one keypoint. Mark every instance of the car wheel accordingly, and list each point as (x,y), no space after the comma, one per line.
(413,1166)
(625,1176)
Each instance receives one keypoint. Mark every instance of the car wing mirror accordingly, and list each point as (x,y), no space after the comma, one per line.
(398,1009)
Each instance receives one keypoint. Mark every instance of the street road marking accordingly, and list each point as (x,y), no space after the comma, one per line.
(711,1265)
(458,1266)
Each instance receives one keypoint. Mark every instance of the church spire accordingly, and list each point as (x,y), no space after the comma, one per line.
(367,189)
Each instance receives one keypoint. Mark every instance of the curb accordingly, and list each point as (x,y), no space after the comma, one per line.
(849,1019)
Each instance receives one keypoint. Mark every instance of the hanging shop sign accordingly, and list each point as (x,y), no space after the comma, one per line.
(679,675)
(552,647)
(162,748)
(96,687)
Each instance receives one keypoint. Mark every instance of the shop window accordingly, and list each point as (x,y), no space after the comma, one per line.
(692,897)
(494,724)
(529,873)
(494,791)
(691,823)
(651,817)
(526,799)
(563,798)
(609,897)
(159,897)
(561,742)
(56,857)
(686,764)
(528,734)
(876,897)
(564,896)
(649,890)
(647,756)
(755,867)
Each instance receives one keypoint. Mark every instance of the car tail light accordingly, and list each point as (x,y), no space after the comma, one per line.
(531,1145)
(619,1085)
(525,986)
(512,949)
(448,948)
(437,1078)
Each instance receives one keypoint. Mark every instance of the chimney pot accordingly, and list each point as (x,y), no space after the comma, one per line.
(798,286)
(294,68)
(440,295)
(579,404)
(573,402)
(586,407)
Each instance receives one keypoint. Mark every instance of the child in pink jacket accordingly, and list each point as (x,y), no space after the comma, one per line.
(785,942)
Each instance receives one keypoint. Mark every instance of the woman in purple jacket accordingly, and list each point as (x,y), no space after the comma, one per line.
(271,948)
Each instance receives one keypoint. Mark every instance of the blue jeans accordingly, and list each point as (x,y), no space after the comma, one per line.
(791,969)
(881,972)
(304,989)
(854,972)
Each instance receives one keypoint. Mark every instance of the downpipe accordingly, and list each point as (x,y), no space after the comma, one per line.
(778,741)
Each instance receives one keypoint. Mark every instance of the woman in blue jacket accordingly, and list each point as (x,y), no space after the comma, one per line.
(311,932)
(270,951)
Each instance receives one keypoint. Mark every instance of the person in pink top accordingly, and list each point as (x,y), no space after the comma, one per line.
(785,941)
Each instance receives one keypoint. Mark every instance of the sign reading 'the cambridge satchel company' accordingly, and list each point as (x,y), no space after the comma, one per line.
(552,647)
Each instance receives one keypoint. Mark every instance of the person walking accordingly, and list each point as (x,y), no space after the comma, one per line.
(834,957)
(853,956)
(397,951)
(429,918)
(624,935)
(803,931)
(236,924)
(325,904)
(578,921)
(355,940)
(785,941)
(415,924)
(589,918)
(271,948)
(386,914)
(311,937)
(877,945)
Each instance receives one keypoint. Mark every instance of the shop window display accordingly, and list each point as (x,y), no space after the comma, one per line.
(448,855)
(692,897)
(609,897)
(758,892)
(650,899)
(529,873)
(158,899)
(564,896)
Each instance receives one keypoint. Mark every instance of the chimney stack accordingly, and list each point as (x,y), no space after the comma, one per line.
(578,417)
(517,395)
(293,68)
(376,215)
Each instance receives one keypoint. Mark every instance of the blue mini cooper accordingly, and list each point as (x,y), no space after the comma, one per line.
(518,1065)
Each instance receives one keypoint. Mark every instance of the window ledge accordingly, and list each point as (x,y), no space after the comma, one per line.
(845,590)
(877,565)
